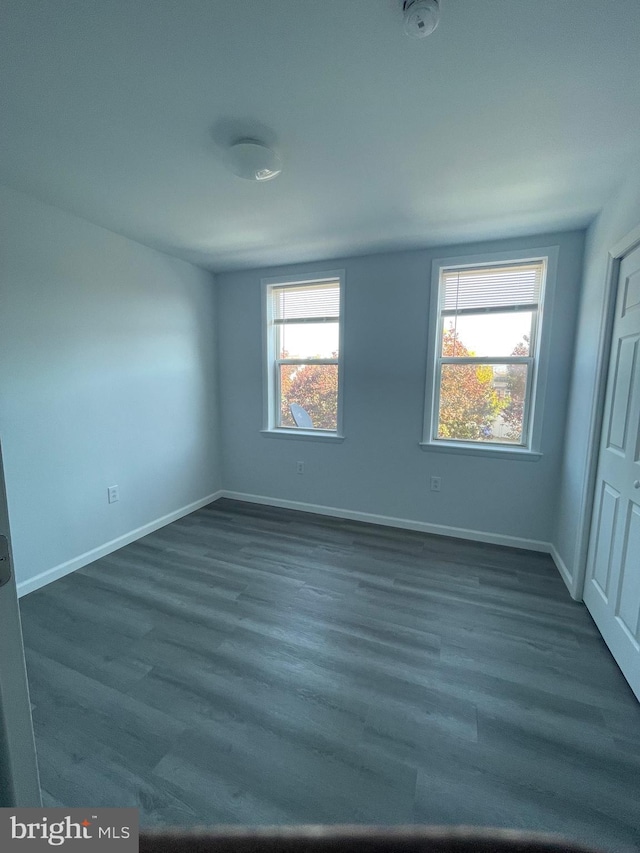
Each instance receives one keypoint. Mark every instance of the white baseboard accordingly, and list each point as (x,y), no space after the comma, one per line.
(390,521)
(46,577)
(565,574)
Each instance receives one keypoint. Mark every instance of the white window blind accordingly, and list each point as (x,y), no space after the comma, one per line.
(487,288)
(310,302)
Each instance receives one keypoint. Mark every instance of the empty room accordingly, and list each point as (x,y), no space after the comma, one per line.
(320,412)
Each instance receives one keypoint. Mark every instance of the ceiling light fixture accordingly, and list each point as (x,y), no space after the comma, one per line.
(253,161)
(421,17)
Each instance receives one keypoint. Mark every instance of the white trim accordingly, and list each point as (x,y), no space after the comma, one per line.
(595,425)
(627,244)
(496,451)
(53,574)
(316,435)
(59,571)
(390,521)
(20,782)
(270,389)
(561,566)
(542,343)
(304,278)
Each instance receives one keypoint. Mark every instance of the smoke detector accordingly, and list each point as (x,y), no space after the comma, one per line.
(421,17)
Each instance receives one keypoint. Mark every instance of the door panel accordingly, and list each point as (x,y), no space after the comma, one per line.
(629,599)
(612,588)
(606,523)
(631,293)
(626,370)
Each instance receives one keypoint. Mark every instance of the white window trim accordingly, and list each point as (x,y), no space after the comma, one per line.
(532,450)
(269,358)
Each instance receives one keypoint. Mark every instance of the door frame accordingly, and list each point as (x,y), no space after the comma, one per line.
(617,252)
(19,778)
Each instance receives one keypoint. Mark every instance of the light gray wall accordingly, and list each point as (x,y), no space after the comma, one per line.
(619,216)
(107,376)
(380,467)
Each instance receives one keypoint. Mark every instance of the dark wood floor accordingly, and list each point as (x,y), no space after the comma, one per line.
(255,665)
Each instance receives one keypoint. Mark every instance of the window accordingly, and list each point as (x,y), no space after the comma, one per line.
(303,353)
(485,380)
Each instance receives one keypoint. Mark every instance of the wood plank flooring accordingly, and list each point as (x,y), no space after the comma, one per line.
(252,665)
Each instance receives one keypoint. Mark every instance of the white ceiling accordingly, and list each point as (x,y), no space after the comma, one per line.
(515,116)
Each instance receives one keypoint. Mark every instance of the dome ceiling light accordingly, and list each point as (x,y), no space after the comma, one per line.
(253,161)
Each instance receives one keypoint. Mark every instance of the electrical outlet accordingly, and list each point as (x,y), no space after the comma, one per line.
(113,494)
(299,467)
(435,484)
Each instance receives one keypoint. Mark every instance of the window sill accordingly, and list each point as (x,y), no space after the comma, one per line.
(503,452)
(307,435)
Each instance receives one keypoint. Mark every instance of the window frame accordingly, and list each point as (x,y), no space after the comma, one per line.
(538,358)
(272,363)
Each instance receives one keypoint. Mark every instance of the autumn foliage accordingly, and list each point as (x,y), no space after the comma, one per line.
(315,388)
(468,402)
(513,412)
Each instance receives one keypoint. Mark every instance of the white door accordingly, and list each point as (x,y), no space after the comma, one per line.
(612,589)
(19,784)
